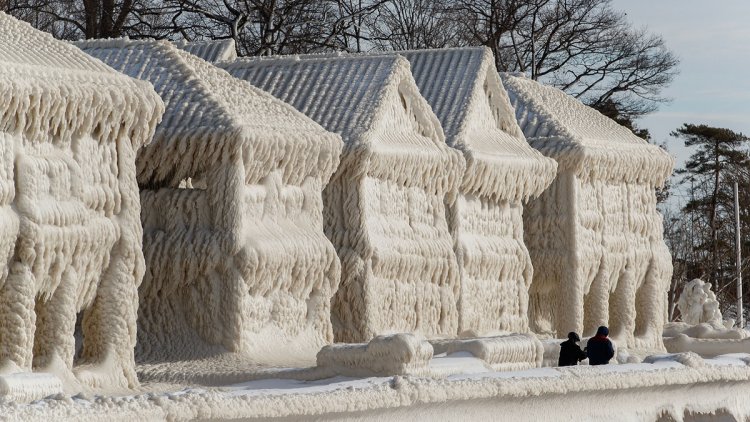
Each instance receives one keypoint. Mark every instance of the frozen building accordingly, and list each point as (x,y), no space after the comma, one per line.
(210,51)
(70,233)
(502,172)
(236,257)
(385,208)
(595,236)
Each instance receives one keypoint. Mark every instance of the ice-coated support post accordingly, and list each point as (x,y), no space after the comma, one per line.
(740,318)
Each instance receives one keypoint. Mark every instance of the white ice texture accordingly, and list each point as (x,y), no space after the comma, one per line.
(236,257)
(698,304)
(210,51)
(385,208)
(70,233)
(595,236)
(502,172)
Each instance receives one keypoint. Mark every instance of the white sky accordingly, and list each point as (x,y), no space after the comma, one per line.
(712,40)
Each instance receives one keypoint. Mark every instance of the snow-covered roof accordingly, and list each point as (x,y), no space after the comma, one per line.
(581,139)
(465,92)
(373,102)
(210,51)
(51,87)
(211,115)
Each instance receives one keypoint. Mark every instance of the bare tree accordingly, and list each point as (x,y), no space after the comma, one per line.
(265,27)
(584,47)
(412,24)
(77,19)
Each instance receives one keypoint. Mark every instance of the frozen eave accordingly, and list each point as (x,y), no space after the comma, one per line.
(581,139)
(211,116)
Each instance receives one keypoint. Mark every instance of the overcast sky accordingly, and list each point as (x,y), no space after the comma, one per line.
(712,40)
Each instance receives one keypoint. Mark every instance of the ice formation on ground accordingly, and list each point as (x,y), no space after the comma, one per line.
(385,208)
(236,256)
(502,353)
(70,233)
(210,51)
(396,354)
(502,171)
(698,304)
(595,236)
(702,329)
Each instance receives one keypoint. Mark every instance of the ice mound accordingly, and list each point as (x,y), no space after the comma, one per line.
(385,208)
(396,354)
(502,353)
(698,304)
(595,236)
(210,51)
(502,171)
(237,260)
(70,233)
(25,387)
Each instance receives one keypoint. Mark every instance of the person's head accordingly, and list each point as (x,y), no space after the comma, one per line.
(573,336)
(602,331)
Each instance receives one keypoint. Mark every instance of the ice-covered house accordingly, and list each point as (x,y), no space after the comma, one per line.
(70,233)
(502,172)
(385,207)
(595,236)
(236,257)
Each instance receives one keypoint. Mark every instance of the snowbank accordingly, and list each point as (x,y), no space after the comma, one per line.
(69,209)
(595,236)
(385,208)
(237,260)
(676,387)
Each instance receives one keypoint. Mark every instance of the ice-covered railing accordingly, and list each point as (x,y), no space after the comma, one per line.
(233,226)
(385,207)
(71,245)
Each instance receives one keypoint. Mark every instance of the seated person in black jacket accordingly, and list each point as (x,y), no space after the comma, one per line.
(599,348)
(570,351)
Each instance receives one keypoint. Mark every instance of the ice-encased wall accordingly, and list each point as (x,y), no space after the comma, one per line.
(595,236)
(385,207)
(502,172)
(231,189)
(71,234)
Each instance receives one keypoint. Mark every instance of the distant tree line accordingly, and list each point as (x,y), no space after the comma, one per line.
(584,47)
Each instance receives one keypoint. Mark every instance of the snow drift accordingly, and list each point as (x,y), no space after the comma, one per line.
(70,234)
(385,208)
(595,236)
(232,214)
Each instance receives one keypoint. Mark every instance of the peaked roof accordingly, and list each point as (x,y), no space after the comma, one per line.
(51,87)
(581,139)
(356,96)
(210,51)
(209,113)
(465,92)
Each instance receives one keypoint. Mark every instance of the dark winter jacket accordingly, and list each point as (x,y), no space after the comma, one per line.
(599,350)
(570,353)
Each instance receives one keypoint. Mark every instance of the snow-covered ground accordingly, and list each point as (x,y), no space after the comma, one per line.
(671,387)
